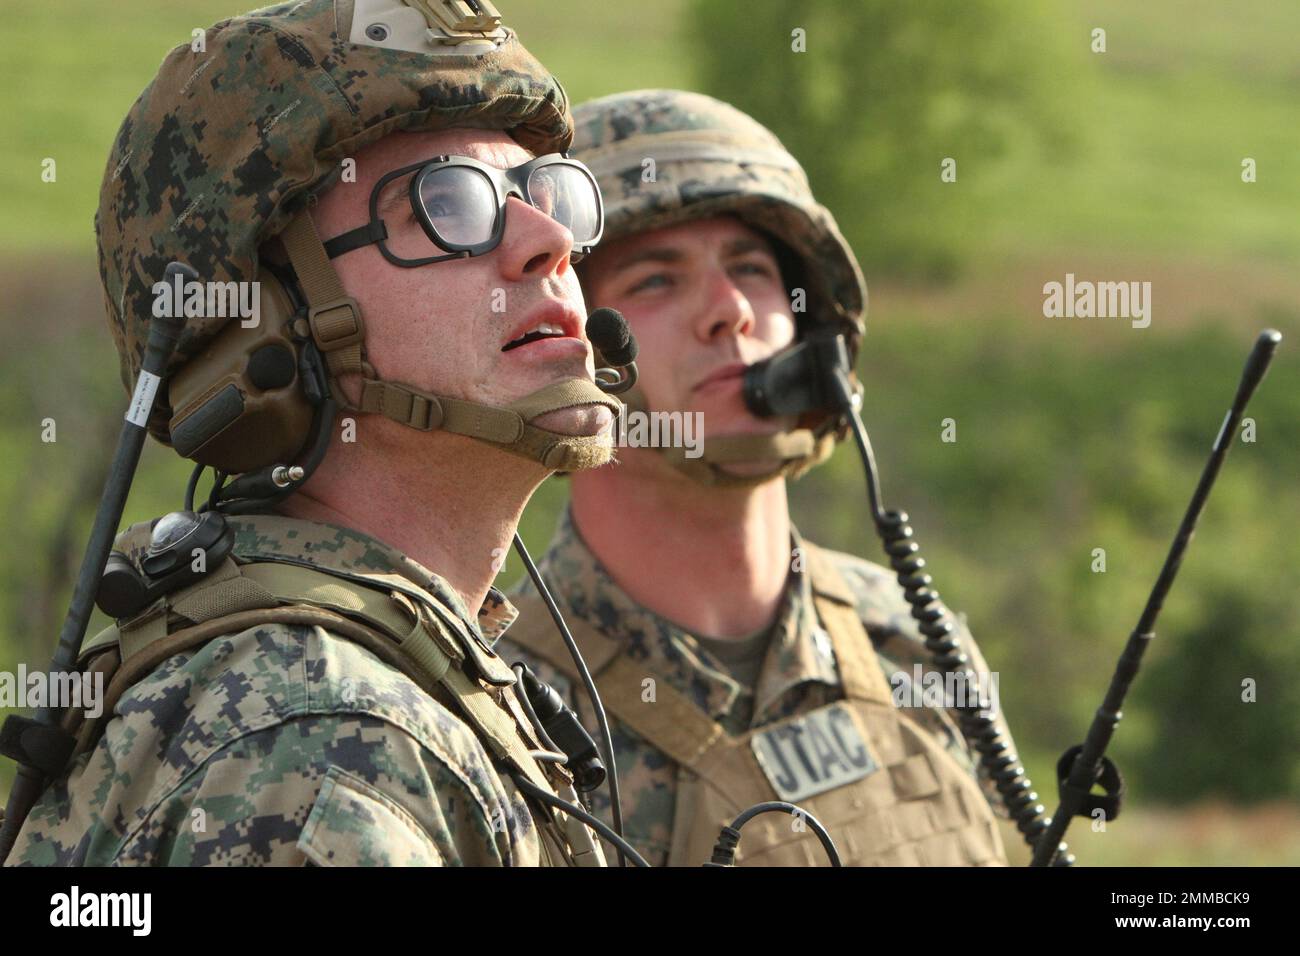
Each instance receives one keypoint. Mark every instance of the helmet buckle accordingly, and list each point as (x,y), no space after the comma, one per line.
(336,324)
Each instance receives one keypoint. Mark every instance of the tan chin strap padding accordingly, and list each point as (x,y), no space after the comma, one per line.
(791,452)
(786,450)
(509,426)
(336,327)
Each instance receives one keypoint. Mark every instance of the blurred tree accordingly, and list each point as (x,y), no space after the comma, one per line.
(882,94)
(1212,736)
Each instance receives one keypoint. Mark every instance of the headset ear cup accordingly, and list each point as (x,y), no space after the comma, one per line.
(240,405)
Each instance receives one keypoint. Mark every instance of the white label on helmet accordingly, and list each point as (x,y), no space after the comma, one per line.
(146,387)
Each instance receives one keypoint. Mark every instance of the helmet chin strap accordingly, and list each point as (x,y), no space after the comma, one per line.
(790,453)
(335,322)
(509,427)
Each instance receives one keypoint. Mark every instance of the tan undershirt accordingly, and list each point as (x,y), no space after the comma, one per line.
(742,656)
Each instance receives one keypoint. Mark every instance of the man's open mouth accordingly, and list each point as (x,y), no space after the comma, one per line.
(542,331)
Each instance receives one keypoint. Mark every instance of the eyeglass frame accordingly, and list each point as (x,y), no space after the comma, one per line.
(375,232)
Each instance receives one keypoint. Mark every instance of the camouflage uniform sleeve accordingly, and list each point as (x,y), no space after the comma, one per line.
(341,790)
(900,646)
(280,745)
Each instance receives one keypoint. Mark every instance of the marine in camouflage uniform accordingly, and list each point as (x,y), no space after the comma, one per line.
(286,744)
(921,797)
(798,674)
(319,697)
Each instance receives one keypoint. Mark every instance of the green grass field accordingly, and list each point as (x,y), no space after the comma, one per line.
(70,71)
(1163,119)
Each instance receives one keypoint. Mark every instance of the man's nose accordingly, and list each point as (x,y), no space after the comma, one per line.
(726,309)
(533,245)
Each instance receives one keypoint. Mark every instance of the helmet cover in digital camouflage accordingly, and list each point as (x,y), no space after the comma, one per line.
(666,157)
(227,144)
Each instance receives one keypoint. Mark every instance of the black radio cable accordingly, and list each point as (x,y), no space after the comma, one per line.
(606,740)
(724,851)
(624,848)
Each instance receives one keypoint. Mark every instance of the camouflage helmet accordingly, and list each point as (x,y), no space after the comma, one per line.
(664,157)
(238,133)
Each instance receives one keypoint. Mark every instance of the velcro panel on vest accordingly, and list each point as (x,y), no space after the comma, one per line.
(222,592)
(225,591)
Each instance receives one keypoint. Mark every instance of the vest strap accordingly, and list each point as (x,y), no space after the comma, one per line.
(395,626)
(672,721)
(837,609)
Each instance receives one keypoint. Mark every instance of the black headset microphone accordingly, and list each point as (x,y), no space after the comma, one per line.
(610,335)
(798,379)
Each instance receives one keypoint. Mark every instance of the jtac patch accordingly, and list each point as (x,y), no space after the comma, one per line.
(812,753)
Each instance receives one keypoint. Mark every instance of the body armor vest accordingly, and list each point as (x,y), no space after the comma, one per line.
(883,786)
(389,615)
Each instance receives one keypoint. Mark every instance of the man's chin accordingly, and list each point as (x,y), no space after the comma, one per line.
(748,426)
(580,421)
(752,469)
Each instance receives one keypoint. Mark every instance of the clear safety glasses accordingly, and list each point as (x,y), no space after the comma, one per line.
(459,205)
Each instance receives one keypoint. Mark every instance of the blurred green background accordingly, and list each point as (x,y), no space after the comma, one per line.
(1071,434)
